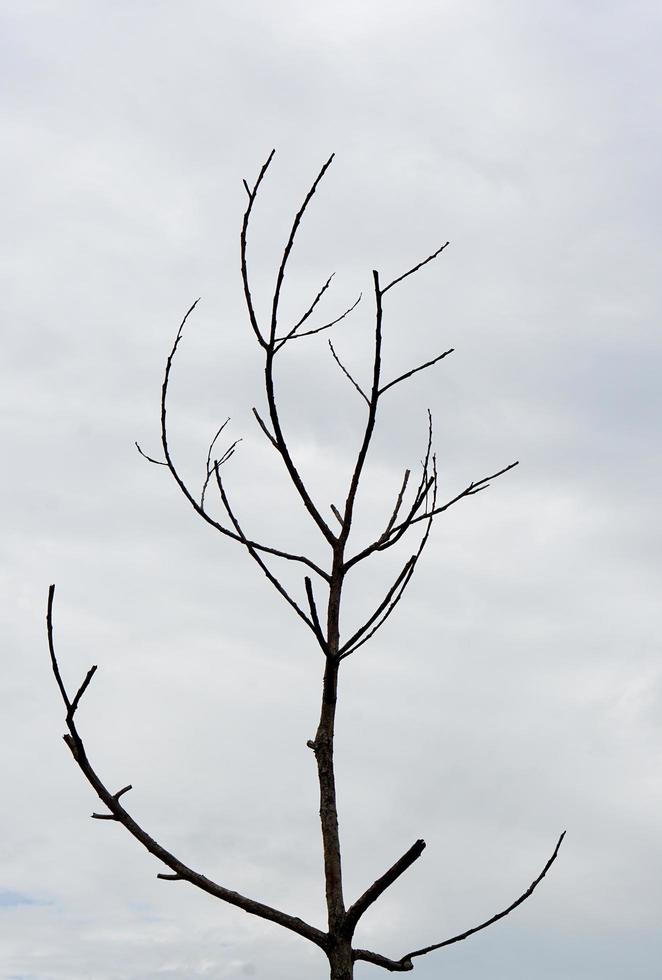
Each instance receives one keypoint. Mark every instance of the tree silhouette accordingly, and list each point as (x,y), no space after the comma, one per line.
(414,510)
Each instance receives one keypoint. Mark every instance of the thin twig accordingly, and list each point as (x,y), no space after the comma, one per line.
(314,616)
(185,490)
(348,375)
(415,370)
(393,598)
(288,248)
(495,918)
(208,467)
(473,488)
(387,539)
(415,268)
(262,425)
(51,647)
(398,504)
(308,312)
(256,557)
(326,326)
(348,646)
(150,459)
(244,268)
(228,454)
(270,348)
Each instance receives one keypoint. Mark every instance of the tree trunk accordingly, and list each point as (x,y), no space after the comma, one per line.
(328,810)
(340,961)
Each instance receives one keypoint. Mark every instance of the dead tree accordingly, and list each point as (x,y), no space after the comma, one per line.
(414,510)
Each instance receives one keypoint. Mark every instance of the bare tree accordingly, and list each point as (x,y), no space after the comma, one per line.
(414,510)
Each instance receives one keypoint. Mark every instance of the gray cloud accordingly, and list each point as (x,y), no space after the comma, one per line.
(519,690)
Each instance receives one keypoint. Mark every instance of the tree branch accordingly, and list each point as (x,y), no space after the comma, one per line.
(256,557)
(378,887)
(209,469)
(244,268)
(473,488)
(415,370)
(420,265)
(326,326)
(398,504)
(393,534)
(393,966)
(495,918)
(315,616)
(278,553)
(270,348)
(288,248)
(348,375)
(372,415)
(404,575)
(118,813)
(262,425)
(308,312)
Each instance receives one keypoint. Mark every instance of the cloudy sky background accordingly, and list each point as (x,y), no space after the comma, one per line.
(518,690)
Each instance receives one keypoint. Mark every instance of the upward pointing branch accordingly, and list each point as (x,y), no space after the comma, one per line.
(420,265)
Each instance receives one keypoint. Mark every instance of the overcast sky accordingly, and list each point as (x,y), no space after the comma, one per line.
(517,691)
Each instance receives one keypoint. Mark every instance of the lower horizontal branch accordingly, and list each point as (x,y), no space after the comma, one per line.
(117,812)
(499,915)
(404,964)
(394,966)
(180,870)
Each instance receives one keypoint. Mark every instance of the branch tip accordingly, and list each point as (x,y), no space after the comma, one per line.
(150,459)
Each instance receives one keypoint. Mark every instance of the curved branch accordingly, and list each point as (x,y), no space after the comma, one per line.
(310,309)
(495,918)
(326,326)
(244,268)
(288,248)
(277,552)
(117,812)
(404,964)
(270,344)
(401,580)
